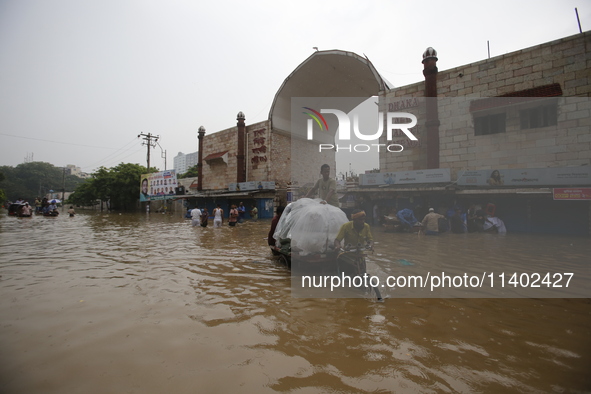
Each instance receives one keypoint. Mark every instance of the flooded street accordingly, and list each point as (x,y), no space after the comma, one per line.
(130,303)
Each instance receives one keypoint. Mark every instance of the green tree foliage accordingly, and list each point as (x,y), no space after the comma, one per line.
(35,179)
(84,195)
(193,172)
(2,194)
(120,185)
(125,185)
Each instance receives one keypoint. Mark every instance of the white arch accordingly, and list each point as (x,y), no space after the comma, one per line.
(332,73)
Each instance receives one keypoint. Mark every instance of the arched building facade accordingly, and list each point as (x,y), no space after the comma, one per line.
(524,114)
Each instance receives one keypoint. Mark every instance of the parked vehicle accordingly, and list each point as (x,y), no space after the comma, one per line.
(14,209)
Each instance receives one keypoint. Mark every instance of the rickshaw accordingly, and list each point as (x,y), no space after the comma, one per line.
(348,261)
(14,209)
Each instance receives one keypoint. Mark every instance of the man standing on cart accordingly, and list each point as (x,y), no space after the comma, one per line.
(326,188)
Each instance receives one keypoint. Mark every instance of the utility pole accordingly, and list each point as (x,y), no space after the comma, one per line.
(150,141)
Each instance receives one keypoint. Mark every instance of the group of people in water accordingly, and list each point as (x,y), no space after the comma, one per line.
(237,214)
(43,206)
(455,219)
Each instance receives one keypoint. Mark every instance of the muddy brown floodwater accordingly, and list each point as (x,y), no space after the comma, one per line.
(110,303)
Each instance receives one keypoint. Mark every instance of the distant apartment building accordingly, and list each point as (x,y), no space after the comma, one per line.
(182,162)
(71,169)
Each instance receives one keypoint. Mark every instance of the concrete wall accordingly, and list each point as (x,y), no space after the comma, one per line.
(307,160)
(280,159)
(258,152)
(566,61)
(217,174)
(267,156)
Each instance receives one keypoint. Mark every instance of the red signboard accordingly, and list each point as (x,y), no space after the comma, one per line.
(572,193)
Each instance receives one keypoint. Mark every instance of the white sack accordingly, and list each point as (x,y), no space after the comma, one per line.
(311,226)
(496,222)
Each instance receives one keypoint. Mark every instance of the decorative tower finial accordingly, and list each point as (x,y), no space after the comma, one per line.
(429,53)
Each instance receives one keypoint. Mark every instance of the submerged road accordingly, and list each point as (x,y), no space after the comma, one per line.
(131,303)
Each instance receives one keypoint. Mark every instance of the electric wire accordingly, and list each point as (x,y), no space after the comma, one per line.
(114,153)
(54,142)
(122,158)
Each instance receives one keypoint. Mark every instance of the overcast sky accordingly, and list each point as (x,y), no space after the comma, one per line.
(79,80)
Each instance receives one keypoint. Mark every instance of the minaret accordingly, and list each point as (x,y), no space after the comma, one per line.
(240,156)
(432,124)
(200,134)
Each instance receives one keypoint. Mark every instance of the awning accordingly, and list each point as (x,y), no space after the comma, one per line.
(222,194)
(217,156)
(231,194)
(516,98)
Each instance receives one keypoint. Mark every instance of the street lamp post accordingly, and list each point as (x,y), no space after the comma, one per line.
(162,154)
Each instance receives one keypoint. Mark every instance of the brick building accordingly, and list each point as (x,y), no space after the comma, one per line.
(524,114)
(557,69)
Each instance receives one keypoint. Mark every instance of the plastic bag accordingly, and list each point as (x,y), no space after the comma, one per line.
(311,226)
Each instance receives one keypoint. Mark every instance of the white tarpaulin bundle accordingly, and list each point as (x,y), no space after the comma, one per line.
(496,222)
(311,226)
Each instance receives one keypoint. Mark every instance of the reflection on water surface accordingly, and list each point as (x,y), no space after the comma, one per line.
(109,303)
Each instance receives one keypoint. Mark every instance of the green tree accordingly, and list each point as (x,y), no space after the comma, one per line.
(2,194)
(35,179)
(125,185)
(101,185)
(193,172)
(84,194)
(119,185)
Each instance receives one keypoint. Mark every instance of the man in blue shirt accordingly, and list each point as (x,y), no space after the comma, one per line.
(407,218)
(241,212)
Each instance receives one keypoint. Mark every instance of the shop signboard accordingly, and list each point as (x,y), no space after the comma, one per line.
(525,177)
(440,175)
(572,193)
(253,185)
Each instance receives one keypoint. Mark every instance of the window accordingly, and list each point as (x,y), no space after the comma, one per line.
(489,124)
(541,116)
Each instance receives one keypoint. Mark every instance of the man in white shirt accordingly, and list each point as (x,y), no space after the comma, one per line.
(195,217)
(431,222)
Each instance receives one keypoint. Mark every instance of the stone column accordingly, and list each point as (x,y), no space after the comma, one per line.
(432,124)
(200,135)
(240,156)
